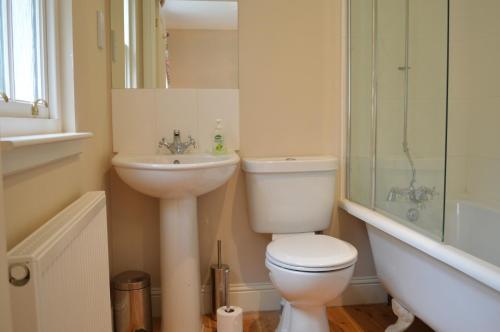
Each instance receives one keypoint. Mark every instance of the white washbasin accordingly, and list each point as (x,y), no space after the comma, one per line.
(175,176)
(177,180)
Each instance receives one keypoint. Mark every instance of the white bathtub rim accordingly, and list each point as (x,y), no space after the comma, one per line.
(472,266)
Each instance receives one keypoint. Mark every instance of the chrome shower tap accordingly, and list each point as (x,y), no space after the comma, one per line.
(419,195)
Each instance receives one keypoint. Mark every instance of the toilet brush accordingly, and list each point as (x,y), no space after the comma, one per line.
(219,282)
(228,308)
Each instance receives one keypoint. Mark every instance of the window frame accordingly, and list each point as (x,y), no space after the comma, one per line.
(22,108)
(58,73)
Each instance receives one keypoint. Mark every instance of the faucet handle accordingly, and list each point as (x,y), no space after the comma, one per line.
(192,141)
(163,142)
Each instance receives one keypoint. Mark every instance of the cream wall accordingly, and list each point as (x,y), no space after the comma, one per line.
(289,64)
(203,59)
(289,77)
(290,92)
(32,197)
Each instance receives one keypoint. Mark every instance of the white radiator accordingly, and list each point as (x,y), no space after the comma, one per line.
(60,274)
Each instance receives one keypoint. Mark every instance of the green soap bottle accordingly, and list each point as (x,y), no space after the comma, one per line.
(218,145)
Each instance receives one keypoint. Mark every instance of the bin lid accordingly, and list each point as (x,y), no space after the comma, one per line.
(131,280)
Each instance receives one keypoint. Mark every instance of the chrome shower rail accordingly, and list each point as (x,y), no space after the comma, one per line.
(406,68)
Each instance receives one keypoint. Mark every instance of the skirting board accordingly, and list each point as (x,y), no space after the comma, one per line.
(264,297)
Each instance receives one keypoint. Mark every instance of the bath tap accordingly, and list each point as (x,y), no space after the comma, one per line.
(418,195)
(422,194)
(392,195)
(177,146)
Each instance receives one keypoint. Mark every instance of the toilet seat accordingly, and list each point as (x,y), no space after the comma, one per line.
(311,253)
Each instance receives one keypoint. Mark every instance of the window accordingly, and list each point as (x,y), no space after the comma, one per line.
(36,63)
(23,58)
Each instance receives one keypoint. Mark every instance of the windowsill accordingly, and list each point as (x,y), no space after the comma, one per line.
(9,143)
(21,153)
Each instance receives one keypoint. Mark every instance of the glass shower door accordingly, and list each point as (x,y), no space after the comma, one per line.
(398,105)
(411,71)
(360,101)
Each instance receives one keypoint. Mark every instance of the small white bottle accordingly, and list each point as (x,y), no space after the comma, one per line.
(218,144)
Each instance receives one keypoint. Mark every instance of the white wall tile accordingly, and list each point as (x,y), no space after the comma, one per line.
(141,117)
(176,109)
(134,128)
(218,104)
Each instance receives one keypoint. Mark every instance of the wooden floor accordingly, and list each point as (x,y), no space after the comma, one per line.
(359,318)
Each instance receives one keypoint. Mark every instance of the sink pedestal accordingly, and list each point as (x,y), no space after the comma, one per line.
(177,180)
(180,265)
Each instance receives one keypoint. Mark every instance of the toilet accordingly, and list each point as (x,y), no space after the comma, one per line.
(292,199)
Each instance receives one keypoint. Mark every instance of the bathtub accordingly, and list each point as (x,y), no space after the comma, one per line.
(475,229)
(447,288)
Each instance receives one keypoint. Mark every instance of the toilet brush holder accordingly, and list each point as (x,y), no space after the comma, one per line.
(218,274)
(219,290)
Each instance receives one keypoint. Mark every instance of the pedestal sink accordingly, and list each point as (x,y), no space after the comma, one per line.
(177,180)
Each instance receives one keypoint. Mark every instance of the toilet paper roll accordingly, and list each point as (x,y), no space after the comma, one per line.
(231,321)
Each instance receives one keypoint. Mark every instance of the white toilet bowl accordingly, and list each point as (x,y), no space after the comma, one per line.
(309,271)
(288,197)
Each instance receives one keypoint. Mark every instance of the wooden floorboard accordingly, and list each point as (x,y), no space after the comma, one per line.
(357,318)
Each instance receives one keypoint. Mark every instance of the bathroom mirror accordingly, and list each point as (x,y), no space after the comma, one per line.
(174,44)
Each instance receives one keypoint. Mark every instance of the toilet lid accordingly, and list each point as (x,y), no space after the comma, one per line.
(314,253)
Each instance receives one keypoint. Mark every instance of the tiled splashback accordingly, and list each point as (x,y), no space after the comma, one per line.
(141,117)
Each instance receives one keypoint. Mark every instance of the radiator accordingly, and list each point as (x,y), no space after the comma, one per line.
(59,275)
